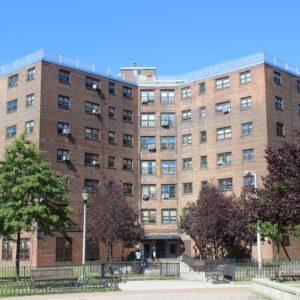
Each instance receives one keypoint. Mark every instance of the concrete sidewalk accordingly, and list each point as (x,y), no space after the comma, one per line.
(161,290)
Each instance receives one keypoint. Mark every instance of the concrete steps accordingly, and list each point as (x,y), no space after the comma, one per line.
(186,274)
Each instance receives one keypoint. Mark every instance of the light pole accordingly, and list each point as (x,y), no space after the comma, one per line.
(85,197)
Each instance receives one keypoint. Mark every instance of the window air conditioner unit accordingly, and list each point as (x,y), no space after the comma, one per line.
(145,197)
(96,86)
(66,131)
(95,163)
(96,111)
(165,196)
(151,148)
(220,162)
(144,101)
(165,123)
(66,157)
(226,110)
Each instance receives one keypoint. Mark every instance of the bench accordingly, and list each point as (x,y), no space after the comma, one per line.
(218,274)
(289,271)
(53,274)
(196,266)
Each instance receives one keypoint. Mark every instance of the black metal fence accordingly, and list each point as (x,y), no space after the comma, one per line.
(246,269)
(95,276)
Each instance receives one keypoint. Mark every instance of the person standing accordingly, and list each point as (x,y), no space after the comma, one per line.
(154,254)
(138,255)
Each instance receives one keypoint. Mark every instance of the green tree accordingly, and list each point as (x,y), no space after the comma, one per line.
(32,195)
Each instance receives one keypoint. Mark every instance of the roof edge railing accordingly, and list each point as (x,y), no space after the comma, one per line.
(211,71)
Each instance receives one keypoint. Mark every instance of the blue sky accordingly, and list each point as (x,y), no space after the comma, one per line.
(176,36)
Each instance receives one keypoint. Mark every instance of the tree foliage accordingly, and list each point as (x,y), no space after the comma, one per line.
(111,219)
(31,194)
(277,202)
(217,225)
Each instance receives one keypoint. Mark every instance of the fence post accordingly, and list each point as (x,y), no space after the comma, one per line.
(102,270)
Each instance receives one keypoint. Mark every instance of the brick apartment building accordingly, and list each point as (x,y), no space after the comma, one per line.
(162,138)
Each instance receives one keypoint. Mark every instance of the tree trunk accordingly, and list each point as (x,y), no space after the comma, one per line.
(18,255)
(111,252)
(285,251)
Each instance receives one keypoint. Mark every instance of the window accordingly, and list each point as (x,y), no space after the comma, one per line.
(127,116)
(245,77)
(188,188)
(186,115)
(186,92)
(147,120)
(202,112)
(248,154)
(62,155)
(127,92)
(91,159)
(112,88)
(222,83)
(186,139)
(169,216)
(168,191)
(167,143)
(7,250)
(246,103)
(202,87)
(127,164)
(249,179)
(148,191)
(225,184)
(63,128)
(111,162)
(298,86)
(247,128)
(92,108)
(203,161)
(285,238)
(111,137)
(148,167)
(204,184)
(11,132)
(167,97)
(167,120)
(29,127)
(277,78)
(63,249)
(147,97)
(13,80)
(172,249)
(30,74)
(147,141)
(279,129)
(63,102)
(223,108)
(92,134)
(168,167)
(11,106)
(127,140)
(278,103)
(298,110)
(187,164)
(224,133)
(90,185)
(148,216)
(29,100)
(92,83)
(25,249)
(127,189)
(224,159)
(111,112)
(203,137)
(64,76)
